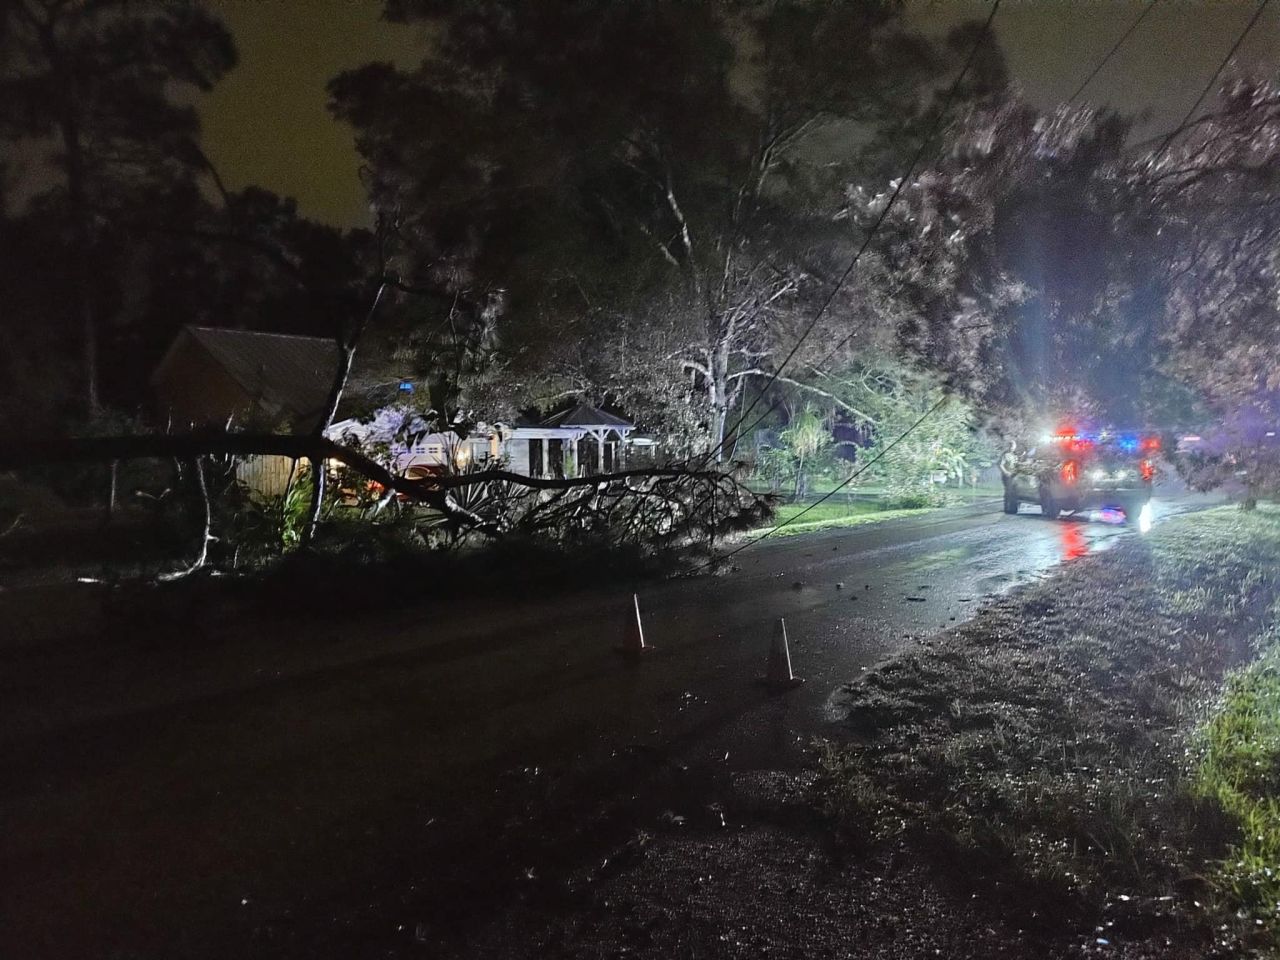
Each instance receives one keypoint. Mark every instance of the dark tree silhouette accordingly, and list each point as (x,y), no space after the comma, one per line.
(96,82)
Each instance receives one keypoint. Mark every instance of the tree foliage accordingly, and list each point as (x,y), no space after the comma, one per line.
(1216,197)
(651,187)
(806,438)
(1052,270)
(895,396)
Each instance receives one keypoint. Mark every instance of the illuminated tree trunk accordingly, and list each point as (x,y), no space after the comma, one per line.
(206,530)
(718,394)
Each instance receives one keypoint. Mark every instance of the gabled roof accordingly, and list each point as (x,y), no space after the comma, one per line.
(283,373)
(585,415)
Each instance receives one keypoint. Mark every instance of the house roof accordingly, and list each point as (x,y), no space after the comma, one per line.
(283,373)
(585,415)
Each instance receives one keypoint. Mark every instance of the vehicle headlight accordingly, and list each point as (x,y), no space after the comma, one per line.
(1122,474)
(1098,475)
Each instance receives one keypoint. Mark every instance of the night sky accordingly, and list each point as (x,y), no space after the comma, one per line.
(266,123)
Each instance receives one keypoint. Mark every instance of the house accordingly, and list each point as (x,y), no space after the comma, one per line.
(210,376)
(216,377)
(581,441)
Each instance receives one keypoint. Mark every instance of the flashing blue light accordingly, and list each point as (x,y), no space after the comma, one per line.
(406,386)
(1128,442)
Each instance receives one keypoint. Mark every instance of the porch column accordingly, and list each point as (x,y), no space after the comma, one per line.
(600,443)
(571,457)
(542,456)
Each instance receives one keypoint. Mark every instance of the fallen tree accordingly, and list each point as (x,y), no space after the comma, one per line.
(661,506)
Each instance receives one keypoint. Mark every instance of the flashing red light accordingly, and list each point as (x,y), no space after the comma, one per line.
(1070,471)
(1148,470)
(1074,444)
(1150,443)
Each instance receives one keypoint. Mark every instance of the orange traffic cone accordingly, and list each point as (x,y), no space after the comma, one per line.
(633,644)
(778,675)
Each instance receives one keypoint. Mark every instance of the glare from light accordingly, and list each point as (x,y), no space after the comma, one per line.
(1145,518)
(1099,475)
(1122,474)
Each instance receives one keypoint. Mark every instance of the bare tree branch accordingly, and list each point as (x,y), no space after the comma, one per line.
(799,385)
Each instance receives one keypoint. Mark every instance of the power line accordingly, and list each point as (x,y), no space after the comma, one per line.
(1212,80)
(1195,106)
(1110,53)
(840,486)
(1080,89)
(902,182)
(1085,83)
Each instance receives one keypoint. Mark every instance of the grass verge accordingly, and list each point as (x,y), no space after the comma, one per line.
(830,514)
(1239,769)
(1049,748)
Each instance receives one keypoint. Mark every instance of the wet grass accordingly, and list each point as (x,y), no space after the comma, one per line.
(1239,769)
(1050,746)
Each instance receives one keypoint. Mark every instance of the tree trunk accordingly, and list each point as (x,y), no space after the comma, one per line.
(718,393)
(718,418)
(346,355)
(111,493)
(741,397)
(346,358)
(81,243)
(1250,501)
(206,531)
(317,498)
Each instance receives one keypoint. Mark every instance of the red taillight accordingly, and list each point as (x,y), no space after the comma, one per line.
(1148,470)
(1070,471)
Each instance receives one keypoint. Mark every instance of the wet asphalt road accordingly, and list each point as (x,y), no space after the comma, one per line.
(272,757)
(849,597)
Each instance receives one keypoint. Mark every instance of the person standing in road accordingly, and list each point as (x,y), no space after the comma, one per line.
(1009,462)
